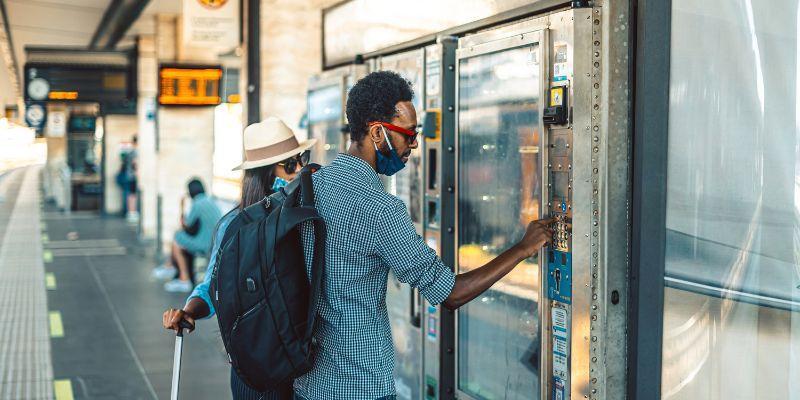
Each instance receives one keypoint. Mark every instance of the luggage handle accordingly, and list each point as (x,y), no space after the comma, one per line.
(184,324)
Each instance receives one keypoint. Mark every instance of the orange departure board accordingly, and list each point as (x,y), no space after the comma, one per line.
(189,86)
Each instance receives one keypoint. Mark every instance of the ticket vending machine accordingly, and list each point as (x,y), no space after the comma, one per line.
(402,301)
(327,95)
(416,325)
(521,91)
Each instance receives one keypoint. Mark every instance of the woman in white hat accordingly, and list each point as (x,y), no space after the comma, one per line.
(273,157)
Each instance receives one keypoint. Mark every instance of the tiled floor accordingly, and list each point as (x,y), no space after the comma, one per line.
(113,345)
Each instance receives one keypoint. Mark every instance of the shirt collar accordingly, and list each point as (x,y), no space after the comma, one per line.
(370,177)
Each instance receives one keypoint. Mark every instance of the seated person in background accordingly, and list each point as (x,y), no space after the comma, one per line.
(193,239)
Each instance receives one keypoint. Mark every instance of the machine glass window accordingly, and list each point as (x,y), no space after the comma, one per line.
(732,273)
(499,191)
(325,122)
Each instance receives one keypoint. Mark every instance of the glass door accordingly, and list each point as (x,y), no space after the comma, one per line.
(499,192)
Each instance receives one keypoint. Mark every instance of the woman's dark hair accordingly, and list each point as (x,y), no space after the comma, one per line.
(257,184)
(195,187)
(373,98)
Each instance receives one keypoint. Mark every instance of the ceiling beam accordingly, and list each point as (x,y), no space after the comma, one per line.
(117,19)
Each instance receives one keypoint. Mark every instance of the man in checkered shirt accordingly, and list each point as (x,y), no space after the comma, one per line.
(369,233)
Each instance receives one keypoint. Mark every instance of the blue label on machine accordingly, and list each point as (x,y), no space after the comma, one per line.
(559,276)
(431,331)
(558,388)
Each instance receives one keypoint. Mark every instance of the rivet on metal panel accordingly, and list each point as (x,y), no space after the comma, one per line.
(451,67)
(450,108)
(450,149)
(594,317)
(594,338)
(596,128)
(595,149)
(594,307)
(594,297)
(594,359)
(450,229)
(594,233)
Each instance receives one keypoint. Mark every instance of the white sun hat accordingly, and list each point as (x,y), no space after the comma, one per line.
(270,141)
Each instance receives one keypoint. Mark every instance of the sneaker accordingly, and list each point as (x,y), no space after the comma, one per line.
(132,217)
(164,272)
(177,285)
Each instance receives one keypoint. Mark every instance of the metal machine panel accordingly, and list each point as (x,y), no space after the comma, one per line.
(439,210)
(499,191)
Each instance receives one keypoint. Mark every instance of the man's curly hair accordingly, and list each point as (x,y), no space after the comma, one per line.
(373,98)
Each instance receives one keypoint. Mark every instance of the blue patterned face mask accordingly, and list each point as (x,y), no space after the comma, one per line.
(279,184)
(388,165)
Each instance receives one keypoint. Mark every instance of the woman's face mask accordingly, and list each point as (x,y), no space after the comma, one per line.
(279,184)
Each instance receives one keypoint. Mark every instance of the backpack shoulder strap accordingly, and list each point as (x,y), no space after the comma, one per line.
(307,185)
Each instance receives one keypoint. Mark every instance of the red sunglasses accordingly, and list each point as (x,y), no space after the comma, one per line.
(410,135)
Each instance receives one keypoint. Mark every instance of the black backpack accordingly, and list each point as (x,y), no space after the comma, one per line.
(264,301)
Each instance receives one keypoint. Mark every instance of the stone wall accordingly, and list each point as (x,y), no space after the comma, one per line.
(291,52)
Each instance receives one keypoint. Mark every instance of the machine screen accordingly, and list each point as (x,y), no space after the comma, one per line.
(325,122)
(499,192)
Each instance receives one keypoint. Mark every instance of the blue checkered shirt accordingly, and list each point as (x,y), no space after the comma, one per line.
(369,233)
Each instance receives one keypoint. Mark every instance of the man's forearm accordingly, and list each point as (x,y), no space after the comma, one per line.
(470,284)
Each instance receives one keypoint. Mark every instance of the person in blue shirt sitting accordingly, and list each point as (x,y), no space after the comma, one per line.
(193,239)
(274,156)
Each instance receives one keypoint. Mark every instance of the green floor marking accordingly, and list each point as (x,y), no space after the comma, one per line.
(50,281)
(56,326)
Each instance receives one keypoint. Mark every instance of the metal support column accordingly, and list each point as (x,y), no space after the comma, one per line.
(253,61)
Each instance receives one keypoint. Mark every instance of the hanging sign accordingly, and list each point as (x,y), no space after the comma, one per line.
(211,24)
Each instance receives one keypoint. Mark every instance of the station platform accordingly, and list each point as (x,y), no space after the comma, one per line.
(80,317)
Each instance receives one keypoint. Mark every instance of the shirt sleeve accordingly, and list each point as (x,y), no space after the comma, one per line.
(412,261)
(194,213)
(201,290)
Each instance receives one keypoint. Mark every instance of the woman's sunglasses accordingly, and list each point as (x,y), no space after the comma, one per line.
(290,164)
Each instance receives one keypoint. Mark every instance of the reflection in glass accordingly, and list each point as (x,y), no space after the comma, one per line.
(499,191)
(731,322)
(325,122)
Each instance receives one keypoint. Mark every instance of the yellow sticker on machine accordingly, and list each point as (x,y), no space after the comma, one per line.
(557,96)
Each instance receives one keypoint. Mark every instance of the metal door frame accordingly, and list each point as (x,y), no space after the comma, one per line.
(525,33)
(649,193)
